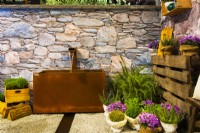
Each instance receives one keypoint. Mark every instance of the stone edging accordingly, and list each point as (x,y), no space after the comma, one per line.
(93,7)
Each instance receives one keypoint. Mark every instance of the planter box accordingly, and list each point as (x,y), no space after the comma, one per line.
(17,95)
(2,106)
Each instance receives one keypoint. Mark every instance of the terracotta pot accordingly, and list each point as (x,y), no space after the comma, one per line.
(189,50)
(149,130)
(169,128)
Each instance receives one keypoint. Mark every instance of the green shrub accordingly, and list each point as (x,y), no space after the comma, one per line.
(16,83)
(2,97)
(130,83)
(133,107)
(116,116)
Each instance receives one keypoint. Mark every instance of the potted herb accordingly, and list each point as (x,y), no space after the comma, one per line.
(189,45)
(106,100)
(16,90)
(149,123)
(132,111)
(153,47)
(116,119)
(168,46)
(2,102)
(169,116)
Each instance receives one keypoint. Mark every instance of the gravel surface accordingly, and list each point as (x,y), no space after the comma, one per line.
(44,123)
(93,123)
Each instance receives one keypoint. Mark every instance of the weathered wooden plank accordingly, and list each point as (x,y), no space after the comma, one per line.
(175,61)
(186,107)
(158,60)
(183,76)
(181,90)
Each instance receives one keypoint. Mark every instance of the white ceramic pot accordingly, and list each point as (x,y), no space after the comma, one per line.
(133,123)
(105,108)
(169,128)
(116,127)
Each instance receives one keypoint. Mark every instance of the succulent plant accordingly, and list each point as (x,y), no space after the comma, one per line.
(116,116)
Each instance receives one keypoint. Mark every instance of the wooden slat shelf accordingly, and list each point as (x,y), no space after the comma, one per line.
(175,61)
(183,76)
(181,6)
(176,75)
(181,90)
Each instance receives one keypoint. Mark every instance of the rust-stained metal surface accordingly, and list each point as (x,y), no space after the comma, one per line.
(61,91)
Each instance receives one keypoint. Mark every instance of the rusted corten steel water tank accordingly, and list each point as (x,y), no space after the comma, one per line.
(61,91)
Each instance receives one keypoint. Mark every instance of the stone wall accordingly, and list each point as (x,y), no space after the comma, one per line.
(187,23)
(32,40)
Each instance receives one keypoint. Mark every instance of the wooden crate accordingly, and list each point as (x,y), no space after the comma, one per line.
(17,95)
(2,106)
(177,75)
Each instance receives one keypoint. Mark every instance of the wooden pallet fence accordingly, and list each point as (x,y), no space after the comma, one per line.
(177,76)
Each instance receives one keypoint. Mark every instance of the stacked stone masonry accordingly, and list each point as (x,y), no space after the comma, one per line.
(32,40)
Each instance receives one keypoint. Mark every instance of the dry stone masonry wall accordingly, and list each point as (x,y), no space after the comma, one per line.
(32,40)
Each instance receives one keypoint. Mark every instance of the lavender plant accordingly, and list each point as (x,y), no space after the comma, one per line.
(189,40)
(149,120)
(153,44)
(169,113)
(117,106)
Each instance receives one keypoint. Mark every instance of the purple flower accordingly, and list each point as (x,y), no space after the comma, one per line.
(177,109)
(148,102)
(149,120)
(153,44)
(117,106)
(189,40)
(168,106)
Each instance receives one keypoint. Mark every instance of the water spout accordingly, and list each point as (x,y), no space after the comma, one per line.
(73,57)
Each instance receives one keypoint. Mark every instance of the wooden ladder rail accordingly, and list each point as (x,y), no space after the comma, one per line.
(195,109)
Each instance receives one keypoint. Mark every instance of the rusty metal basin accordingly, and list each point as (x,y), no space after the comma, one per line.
(61,91)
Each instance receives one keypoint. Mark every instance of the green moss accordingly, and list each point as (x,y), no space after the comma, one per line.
(116,116)
(16,83)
